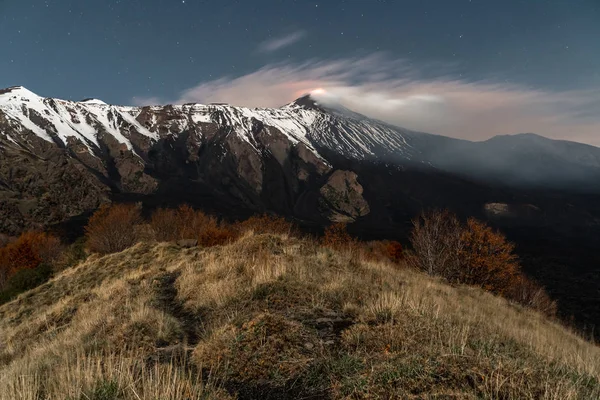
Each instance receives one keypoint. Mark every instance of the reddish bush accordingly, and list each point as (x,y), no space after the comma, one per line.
(269,224)
(113,228)
(189,222)
(27,252)
(336,236)
(531,294)
(214,234)
(473,254)
(394,251)
(381,250)
(164,226)
(486,258)
(182,223)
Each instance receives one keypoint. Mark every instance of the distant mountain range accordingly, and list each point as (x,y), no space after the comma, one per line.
(313,161)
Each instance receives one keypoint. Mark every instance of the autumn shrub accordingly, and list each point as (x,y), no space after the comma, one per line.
(27,262)
(163,223)
(486,259)
(215,234)
(474,254)
(113,228)
(269,224)
(28,252)
(394,251)
(383,250)
(181,223)
(189,221)
(336,236)
(17,256)
(529,293)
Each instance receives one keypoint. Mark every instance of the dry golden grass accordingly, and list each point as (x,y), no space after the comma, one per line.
(280,317)
(104,376)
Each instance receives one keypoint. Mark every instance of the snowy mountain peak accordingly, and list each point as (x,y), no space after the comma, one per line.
(93,101)
(13,89)
(306,102)
(16,93)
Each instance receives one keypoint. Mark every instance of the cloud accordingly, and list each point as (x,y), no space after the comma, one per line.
(394,91)
(271,45)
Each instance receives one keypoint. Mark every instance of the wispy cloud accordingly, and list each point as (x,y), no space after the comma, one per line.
(271,45)
(394,91)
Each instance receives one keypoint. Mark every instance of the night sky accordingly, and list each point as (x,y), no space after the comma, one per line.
(535,63)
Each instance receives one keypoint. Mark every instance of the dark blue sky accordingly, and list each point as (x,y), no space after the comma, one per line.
(463,68)
(116,50)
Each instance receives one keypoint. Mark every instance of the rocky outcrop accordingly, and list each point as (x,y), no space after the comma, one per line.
(37,190)
(342,197)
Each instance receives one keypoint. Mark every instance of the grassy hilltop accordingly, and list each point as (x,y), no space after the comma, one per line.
(275,316)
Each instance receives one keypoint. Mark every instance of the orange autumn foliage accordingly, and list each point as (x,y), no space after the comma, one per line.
(394,251)
(474,254)
(181,223)
(214,234)
(471,253)
(190,222)
(113,228)
(269,224)
(336,236)
(186,223)
(27,252)
(487,259)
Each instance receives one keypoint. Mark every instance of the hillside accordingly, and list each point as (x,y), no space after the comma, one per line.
(273,316)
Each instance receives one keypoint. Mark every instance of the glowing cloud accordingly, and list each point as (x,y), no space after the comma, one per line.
(393,91)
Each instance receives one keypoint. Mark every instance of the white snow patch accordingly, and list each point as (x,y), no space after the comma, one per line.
(93,101)
(200,117)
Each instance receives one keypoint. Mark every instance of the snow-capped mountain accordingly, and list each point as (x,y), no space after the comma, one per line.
(253,158)
(303,121)
(61,158)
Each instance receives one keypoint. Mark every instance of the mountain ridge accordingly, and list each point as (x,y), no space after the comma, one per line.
(307,158)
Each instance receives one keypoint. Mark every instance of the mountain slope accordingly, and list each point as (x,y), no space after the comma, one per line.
(313,161)
(277,317)
(252,159)
(523,160)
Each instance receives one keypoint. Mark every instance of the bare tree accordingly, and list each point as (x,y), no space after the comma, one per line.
(436,241)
